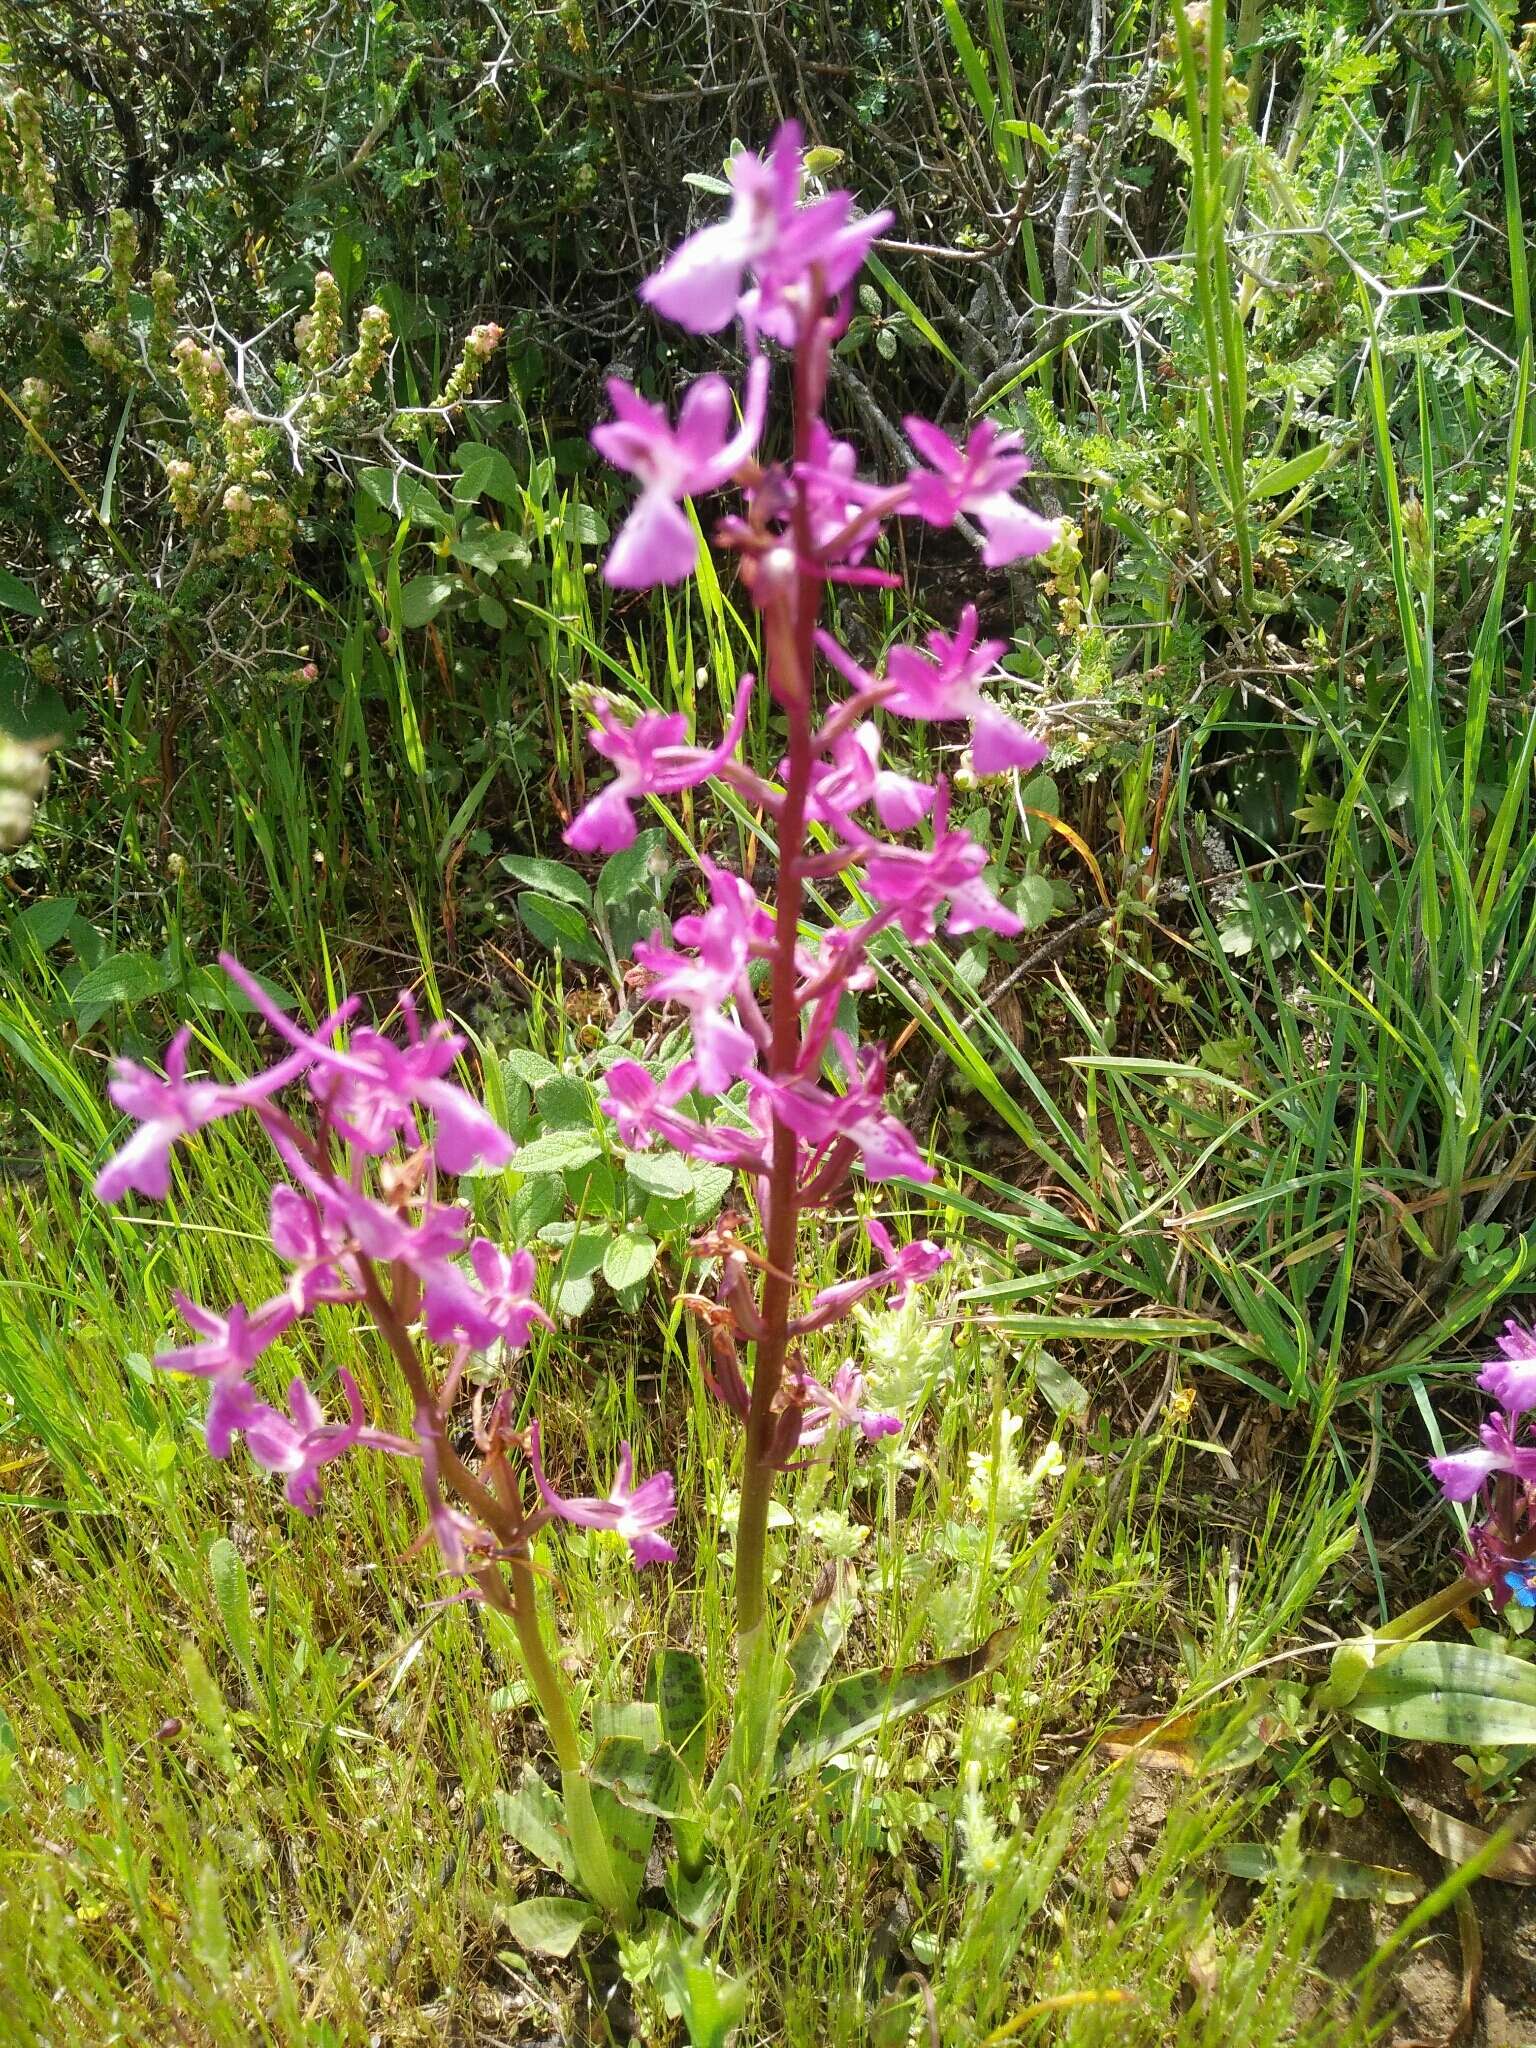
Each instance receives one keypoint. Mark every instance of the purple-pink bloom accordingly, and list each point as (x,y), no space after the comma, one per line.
(228,1346)
(419,1240)
(322,1270)
(501,1309)
(173,1107)
(946,684)
(1463,1475)
(653,758)
(458,1536)
(859,1118)
(636,1512)
(656,543)
(769,233)
(643,1110)
(299,1444)
(370,1089)
(912,883)
(722,940)
(977,480)
(841,1406)
(840,506)
(900,1270)
(853,777)
(1511,1379)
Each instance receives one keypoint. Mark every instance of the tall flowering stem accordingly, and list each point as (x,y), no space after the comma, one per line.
(784,264)
(357,1218)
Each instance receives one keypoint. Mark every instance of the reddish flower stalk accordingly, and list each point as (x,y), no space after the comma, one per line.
(785,266)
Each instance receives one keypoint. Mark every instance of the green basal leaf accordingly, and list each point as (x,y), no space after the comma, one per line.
(1344,1879)
(232,1597)
(698,1895)
(535,1819)
(557,1151)
(709,2003)
(1347,1671)
(423,597)
(123,978)
(682,1699)
(648,1780)
(548,1926)
(530,1067)
(407,497)
(822,1628)
(634,870)
(1449,1667)
(636,1720)
(566,1103)
(660,1173)
(1470,1720)
(629,1832)
(17,596)
(840,1715)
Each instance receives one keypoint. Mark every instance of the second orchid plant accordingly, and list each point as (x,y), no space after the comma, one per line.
(359,1215)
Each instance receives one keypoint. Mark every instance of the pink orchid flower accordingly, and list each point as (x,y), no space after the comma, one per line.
(316,1250)
(653,758)
(227,1347)
(371,1088)
(174,1107)
(1464,1474)
(900,1271)
(771,235)
(1511,1379)
(299,1444)
(723,940)
(913,883)
(977,480)
(841,1406)
(657,543)
(946,684)
(853,777)
(501,1309)
(635,1512)
(859,1118)
(644,1110)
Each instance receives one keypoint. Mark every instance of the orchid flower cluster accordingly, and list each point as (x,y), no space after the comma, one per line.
(359,1220)
(1500,1475)
(764,991)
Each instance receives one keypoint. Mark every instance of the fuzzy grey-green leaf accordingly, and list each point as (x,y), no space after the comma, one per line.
(232,1597)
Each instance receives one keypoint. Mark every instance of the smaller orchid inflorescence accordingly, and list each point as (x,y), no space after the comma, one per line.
(804,1104)
(359,1222)
(1500,1476)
